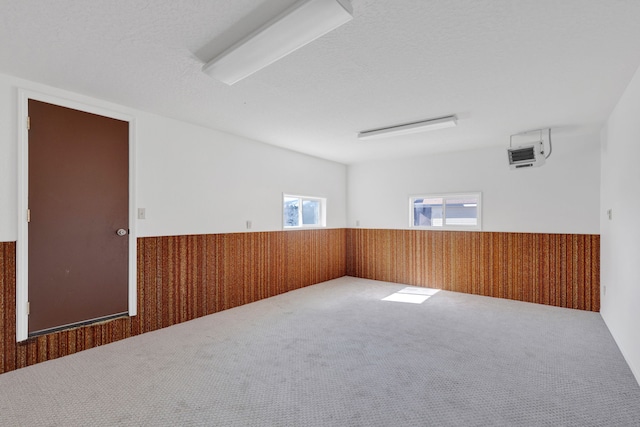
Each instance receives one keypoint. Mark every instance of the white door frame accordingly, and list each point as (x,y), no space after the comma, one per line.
(22,244)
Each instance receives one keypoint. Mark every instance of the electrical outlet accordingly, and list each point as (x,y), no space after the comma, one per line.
(604,290)
(142,213)
(357,223)
(610,214)
(248,225)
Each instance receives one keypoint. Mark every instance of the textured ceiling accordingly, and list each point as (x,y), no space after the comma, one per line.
(502,66)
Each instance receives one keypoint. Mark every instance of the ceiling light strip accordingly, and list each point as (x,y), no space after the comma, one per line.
(414,127)
(297,26)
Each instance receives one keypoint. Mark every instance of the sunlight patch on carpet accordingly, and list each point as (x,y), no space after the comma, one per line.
(411,295)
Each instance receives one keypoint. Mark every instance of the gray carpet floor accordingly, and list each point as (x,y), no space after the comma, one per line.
(336,354)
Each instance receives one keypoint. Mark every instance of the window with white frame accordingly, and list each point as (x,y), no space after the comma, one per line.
(446,211)
(303,211)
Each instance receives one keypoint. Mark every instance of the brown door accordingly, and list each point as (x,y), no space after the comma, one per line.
(78,199)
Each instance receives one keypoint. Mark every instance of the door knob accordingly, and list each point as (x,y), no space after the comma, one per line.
(121,232)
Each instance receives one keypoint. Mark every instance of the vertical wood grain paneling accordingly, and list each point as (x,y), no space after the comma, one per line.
(7,306)
(552,269)
(184,277)
(181,278)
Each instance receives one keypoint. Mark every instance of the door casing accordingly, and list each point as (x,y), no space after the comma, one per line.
(22,249)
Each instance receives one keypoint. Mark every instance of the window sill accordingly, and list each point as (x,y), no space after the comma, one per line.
(318,227)
(450,228)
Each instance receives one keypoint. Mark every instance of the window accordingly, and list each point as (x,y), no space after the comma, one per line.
(446,211)
(302,211)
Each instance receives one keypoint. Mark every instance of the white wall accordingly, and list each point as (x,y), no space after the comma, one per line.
(562,196)
(196,180)
(190,179)
(620,236)
(8,161)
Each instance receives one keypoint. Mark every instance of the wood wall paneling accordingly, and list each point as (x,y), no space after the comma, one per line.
(184,277)
(181,278)
(7,306)
(554,269)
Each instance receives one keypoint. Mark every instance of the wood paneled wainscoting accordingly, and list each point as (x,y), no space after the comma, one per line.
(181,278)
(554,269)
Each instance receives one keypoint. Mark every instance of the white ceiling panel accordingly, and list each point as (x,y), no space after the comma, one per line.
(501,66)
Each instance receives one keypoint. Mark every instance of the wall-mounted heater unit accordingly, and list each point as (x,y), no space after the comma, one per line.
(528,154)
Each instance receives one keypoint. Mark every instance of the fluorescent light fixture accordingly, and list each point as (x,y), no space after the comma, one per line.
(422,126)
(297,26)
